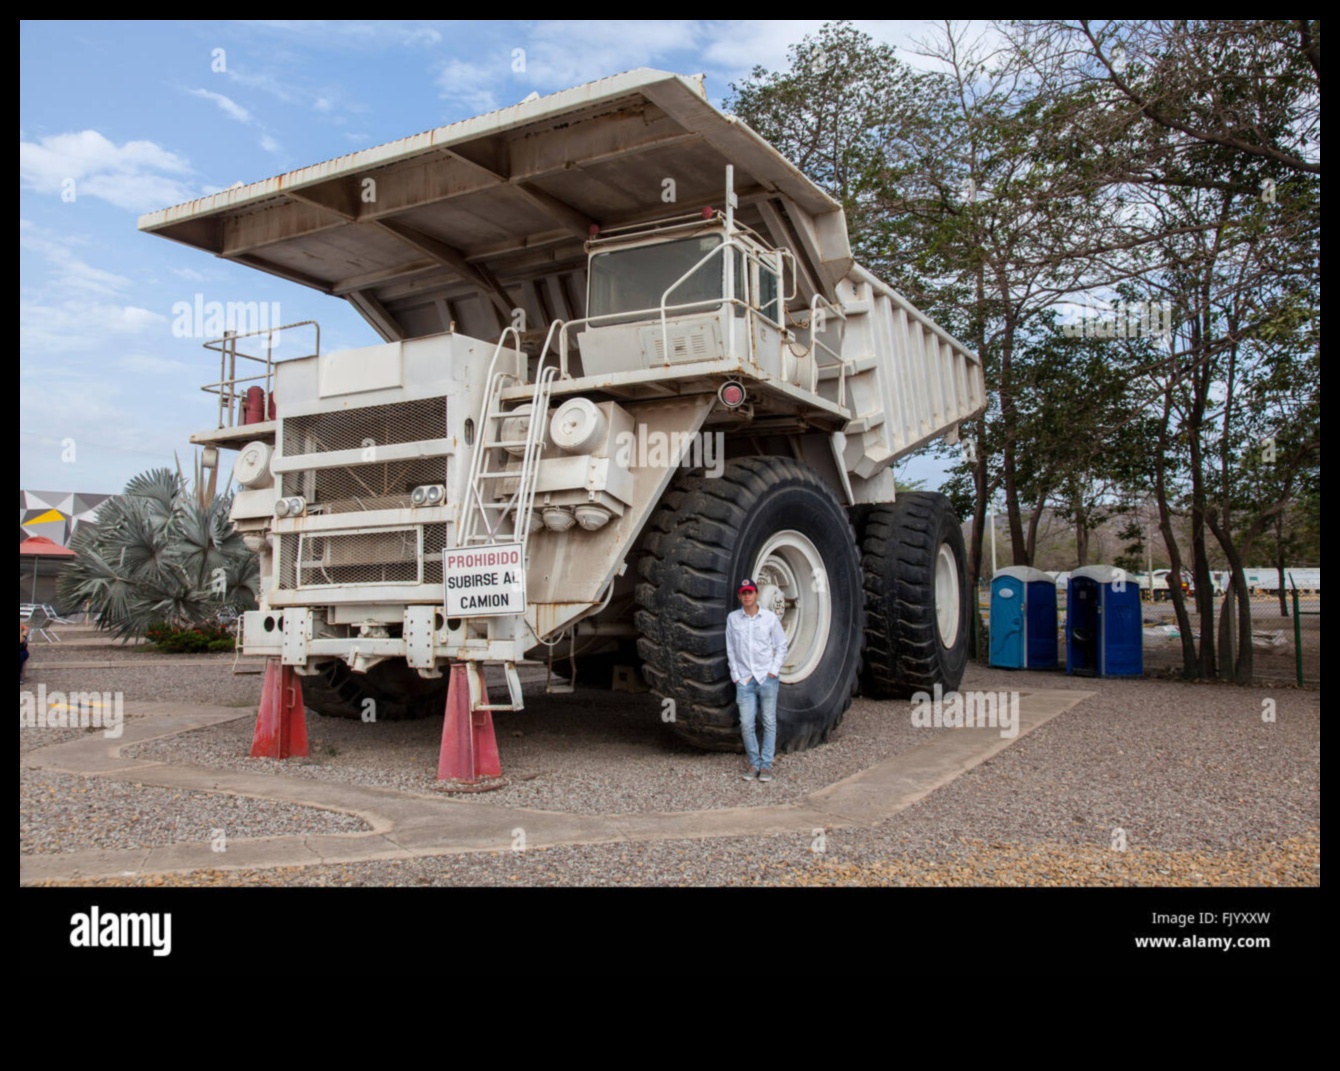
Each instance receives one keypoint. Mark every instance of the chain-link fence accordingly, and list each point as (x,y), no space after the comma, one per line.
(1284,648)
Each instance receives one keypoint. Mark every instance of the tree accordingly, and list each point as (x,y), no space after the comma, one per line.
(161,553)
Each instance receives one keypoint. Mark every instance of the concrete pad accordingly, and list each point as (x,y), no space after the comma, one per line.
(406,824)
(899,782)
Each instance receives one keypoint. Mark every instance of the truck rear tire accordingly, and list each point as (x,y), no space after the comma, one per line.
(772,519)
(397,693)
(916,596)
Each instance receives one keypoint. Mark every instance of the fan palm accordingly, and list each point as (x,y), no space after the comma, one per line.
(161,552)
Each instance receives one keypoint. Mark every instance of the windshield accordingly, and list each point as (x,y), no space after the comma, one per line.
(629,280)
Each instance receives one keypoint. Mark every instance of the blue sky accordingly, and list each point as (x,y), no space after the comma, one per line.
(121,118)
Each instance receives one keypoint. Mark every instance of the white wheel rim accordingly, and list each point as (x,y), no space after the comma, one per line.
(946,595)
(793,584)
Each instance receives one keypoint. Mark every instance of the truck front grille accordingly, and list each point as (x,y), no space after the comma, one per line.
(404,555)
(371,426)
(362,488)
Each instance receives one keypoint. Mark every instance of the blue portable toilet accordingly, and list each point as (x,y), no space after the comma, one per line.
(1103,629)
(1023,619)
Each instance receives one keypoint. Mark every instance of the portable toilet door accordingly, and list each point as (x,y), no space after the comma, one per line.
(1040,625)
(1083,594)
(1104,630)
(1123,647)
(1023,619)
(1009,619)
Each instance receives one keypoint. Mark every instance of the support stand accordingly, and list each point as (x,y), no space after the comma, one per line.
(281,724)
(469,755)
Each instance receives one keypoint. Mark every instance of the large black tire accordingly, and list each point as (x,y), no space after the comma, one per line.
(764,515)
(398,692)
(917,627)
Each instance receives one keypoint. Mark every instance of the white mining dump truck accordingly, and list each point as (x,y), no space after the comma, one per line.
(628,361)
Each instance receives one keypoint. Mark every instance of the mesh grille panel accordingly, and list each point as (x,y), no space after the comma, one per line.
(381,557)
(374,425)
(434,541)
(360,488)
(288,556)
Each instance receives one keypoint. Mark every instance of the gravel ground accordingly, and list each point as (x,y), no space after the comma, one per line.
(1147,782)
(790,861)
(67,813)
(215,684)
(32,739)
(588,752)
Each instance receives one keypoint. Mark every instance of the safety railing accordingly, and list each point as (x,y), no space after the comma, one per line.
(231,387)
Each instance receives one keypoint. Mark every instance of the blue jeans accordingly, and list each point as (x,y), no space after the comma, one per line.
(749,697)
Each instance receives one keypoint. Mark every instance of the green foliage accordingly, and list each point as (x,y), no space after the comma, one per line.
(160,554)
(1023,169)
(201,638)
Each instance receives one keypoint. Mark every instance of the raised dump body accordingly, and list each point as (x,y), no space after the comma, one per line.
(628,360)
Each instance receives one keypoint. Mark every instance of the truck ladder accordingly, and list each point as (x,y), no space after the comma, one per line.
(485,516)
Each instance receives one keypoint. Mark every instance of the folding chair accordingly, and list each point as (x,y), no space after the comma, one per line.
(40,625)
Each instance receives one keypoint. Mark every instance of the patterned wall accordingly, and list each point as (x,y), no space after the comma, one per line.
(56,514)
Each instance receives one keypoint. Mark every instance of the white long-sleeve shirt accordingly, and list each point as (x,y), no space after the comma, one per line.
(755,646)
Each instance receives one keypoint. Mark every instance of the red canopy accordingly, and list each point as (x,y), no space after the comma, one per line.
(42,547)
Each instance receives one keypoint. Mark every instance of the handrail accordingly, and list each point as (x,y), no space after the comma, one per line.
(751,257)
(815,343)
(226,346)
(729,295)
(474,503)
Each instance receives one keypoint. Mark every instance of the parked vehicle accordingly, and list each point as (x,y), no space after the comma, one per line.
(713,389)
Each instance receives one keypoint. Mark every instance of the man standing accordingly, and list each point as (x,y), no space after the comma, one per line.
(756,650)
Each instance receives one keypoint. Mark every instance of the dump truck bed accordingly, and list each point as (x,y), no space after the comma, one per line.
(461,228)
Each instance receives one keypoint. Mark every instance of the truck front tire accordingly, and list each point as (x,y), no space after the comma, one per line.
(776,521)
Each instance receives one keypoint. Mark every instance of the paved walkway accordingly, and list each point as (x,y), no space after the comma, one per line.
(405,825)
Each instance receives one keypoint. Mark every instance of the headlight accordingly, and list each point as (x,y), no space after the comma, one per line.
(428,494)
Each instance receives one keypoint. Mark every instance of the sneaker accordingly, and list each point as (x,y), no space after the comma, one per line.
(765,775)
(751,774)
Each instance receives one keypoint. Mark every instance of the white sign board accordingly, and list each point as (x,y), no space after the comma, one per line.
(485,580)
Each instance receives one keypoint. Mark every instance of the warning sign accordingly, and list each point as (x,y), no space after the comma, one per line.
(485,580)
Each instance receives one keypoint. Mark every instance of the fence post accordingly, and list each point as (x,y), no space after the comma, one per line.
(1297,635)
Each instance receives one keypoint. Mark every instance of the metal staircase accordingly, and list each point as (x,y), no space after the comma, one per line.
(490,517)
(484,520)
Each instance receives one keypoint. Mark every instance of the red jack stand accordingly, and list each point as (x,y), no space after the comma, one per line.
(469,747)
(281,725)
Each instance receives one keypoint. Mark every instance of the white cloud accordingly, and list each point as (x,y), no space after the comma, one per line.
(155,366)
(737,47)
(466,85)
(129,176)
(563,54)
(424,35)
(227,105)
(269,144)
(189,273)
(101,418)
(68,272)
(74,326)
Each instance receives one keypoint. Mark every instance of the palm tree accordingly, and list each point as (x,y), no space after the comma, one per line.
(161,552)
